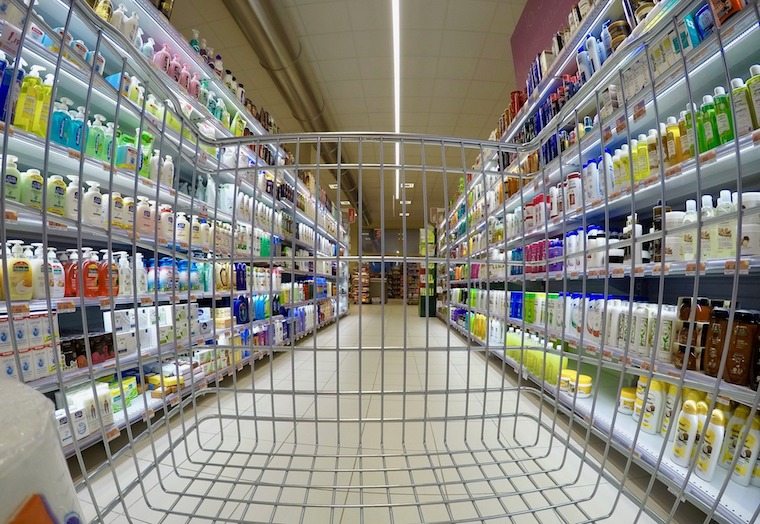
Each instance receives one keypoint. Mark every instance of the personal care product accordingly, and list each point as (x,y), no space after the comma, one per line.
(30,189)
(26,104)
(56,195)
(77,129)
(707,211)
(743,113)
(12,178)
(673,140)
(709,453)
(92,202)
(733,431)
(753,84)
(723,115)
(709,136)
(742,473)
(686,433)
(723,234)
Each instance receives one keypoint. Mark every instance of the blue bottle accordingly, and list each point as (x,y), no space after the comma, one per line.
(195,277)
(241,310)
(240,280)
(60,128)
(5,88)
(77,129)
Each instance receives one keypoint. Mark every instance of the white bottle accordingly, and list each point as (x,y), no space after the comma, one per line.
(709,452)
(205,235)
(670,409)
(689,238)
(39,282)
(141,275)
(116,203)
(733,430)
(125,274)
(117,17)
(167,171)
(723,234)
(92,206)
(129,26)
(195,232)
(128,212)
(155,162)
(183,229)
(742,473)
(686,433)
(144,217)
(71,198)
(708,211)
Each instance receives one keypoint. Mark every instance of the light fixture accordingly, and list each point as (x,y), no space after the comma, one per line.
(396,17)
(403,214)
(333,186)
(407,202)
(409,185)
(345,203)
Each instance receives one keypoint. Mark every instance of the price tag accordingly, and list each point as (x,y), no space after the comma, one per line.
(607,134)
(66,306)
(112,433)
(620,124)
(11,37)
(708,157)
(146,301)
(56,225)
(148,414)
(691,268)
(105,303)
(174,400)
(645,365)
(639,111)
(146,182)
(756,137)
(730,267)
(674,170)
(658,268)
(639,270)
(607,354)
(106,166)
(11,216)
(574,274)
(20,309)
(558,276)
(73,153)
(239,366)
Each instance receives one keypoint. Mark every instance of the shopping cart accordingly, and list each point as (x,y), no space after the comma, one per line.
(262,397)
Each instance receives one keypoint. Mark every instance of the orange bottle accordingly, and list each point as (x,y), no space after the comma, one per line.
(103,275)
(71,274)
(90,274)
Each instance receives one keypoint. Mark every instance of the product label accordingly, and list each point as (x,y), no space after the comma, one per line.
(682,438)
(745,460)
(742,116)
(724,126)
(709,134)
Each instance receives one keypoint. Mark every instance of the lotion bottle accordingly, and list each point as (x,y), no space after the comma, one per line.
(686,433)
(92,203)
(708,211)
(709,453)
(12,178)
(742,473)
(733,431)
(30,192)
(56,195)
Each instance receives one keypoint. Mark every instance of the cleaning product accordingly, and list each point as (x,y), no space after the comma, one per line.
(71,198)
(77,129)
(184,78)
(705,244)
(92,203)
(5,86)
(19,274)
(161,59)
(56,195)
(742,473)
(26,105)
(686,433)
(733,431)
(30,188)
(108,142)
(194,42)
(723,234)
(709,452)
(642,158)
(174,68)
(708,126)
(702,408)
(12,181)
(147,49)
(723,115)
(126,152)
(54,280)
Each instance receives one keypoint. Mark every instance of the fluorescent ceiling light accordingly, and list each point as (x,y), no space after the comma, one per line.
(345,202)
(407,202)
(409,185)
(396,16)
(403,214)
(333,186)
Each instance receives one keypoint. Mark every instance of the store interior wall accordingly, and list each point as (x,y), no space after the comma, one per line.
(540,19)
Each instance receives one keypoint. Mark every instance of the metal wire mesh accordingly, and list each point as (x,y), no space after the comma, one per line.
(389,414)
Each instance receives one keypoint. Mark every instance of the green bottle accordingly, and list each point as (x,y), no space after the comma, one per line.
(743,121)
(723,115)
(708,126)
(96,138)
(753,84)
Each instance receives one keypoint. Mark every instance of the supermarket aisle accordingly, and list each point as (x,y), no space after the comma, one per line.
(424,475)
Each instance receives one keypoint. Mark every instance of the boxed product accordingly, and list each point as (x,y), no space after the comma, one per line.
(92,404)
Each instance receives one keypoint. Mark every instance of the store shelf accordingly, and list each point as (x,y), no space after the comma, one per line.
(737,504)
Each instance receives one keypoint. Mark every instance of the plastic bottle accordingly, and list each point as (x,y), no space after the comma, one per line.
(129,27)
(651,417)
(70,273)
(688,240)
(733,431)
(642,158)
(148,49)
(124,274)
(108,269)
(673,137)
(686,433)
(144,216)
(42,109)
(56,195)
(92,203)
(594,52)
(204,235)
(167,172)
(686,136)
(709,453)
(108,144)
(182,226)
(165,217)
(104,9)
(669,410)
(184,78)
(161,59)
(96,137)
(743,121)
(742,473)
(174,68)
(141,275)
(117,17)
(708,125)
(585,66)
(90,273)
(61,125)
(606,38)
(19,269)
(56,278)
(39,280)
(12,178)
(30,188)
(194,41)
(707,211)
(723,115)
(723,234)
(753,84)
(77,129)
(653,153)
(26,105)
(702,408)
(116,203)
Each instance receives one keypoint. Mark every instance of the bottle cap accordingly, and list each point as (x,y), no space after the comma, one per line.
(690,407)
(672,121)
(719,91)
(691,206)
(754,70)
(707,202)
(707,100)
(736,83)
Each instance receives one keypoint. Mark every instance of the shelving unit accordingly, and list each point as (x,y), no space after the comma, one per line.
(360,286)
(185,129)
(412,283)
(395,277)
(486,227)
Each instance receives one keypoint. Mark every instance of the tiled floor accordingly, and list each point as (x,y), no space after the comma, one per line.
(456,454)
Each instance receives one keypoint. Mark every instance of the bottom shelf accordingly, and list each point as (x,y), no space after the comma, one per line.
(737,503)
(138,412)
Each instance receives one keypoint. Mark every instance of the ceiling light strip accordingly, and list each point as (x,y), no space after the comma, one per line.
(396,17)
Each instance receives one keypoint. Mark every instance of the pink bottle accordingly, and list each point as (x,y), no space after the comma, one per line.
(184,77)
(174,68)
(161,59)
(194,86)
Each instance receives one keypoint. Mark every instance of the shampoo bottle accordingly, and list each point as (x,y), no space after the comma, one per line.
(733,431)
(689,238)
(673,138)
(723,115)
(709,452)
(708,125)
(753,84)
(742,473)
(686,433)
(708,211)
(743,122)
(723,235)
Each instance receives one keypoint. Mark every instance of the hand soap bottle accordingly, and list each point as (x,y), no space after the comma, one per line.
(92,203)
(96,137)
(12,178)
(26,104)
(108,270)
(42,110)
(61,125)
(125,274)
(20,280)
(56,195)
(77,129)
(31,188)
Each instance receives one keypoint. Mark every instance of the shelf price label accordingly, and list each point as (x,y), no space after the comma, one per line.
(105,303)
(56,225)
(639,111)
(11,216)
(20,309)
(607,134)
(112,433)
(146,301)
(65,307)
(756,137)
(148,414)
(706,158)
(730,267)
(660,268)
(620,124)
(674,170)
(691,268)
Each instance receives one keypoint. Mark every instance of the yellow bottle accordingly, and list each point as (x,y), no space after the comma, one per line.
(56,195)
(642,158)
(654,153)
(19,274)
(683,444)
(634,160)
(709,454)
(26,105)
(674,141)
(701,421)
(42,110)
(104,9)
(625,162)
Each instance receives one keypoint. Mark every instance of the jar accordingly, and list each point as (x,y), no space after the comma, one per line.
(716,338)
(626,401)
(567,379)
(584,386)
(740,347)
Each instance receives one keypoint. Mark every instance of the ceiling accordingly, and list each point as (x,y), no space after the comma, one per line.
(456,75)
